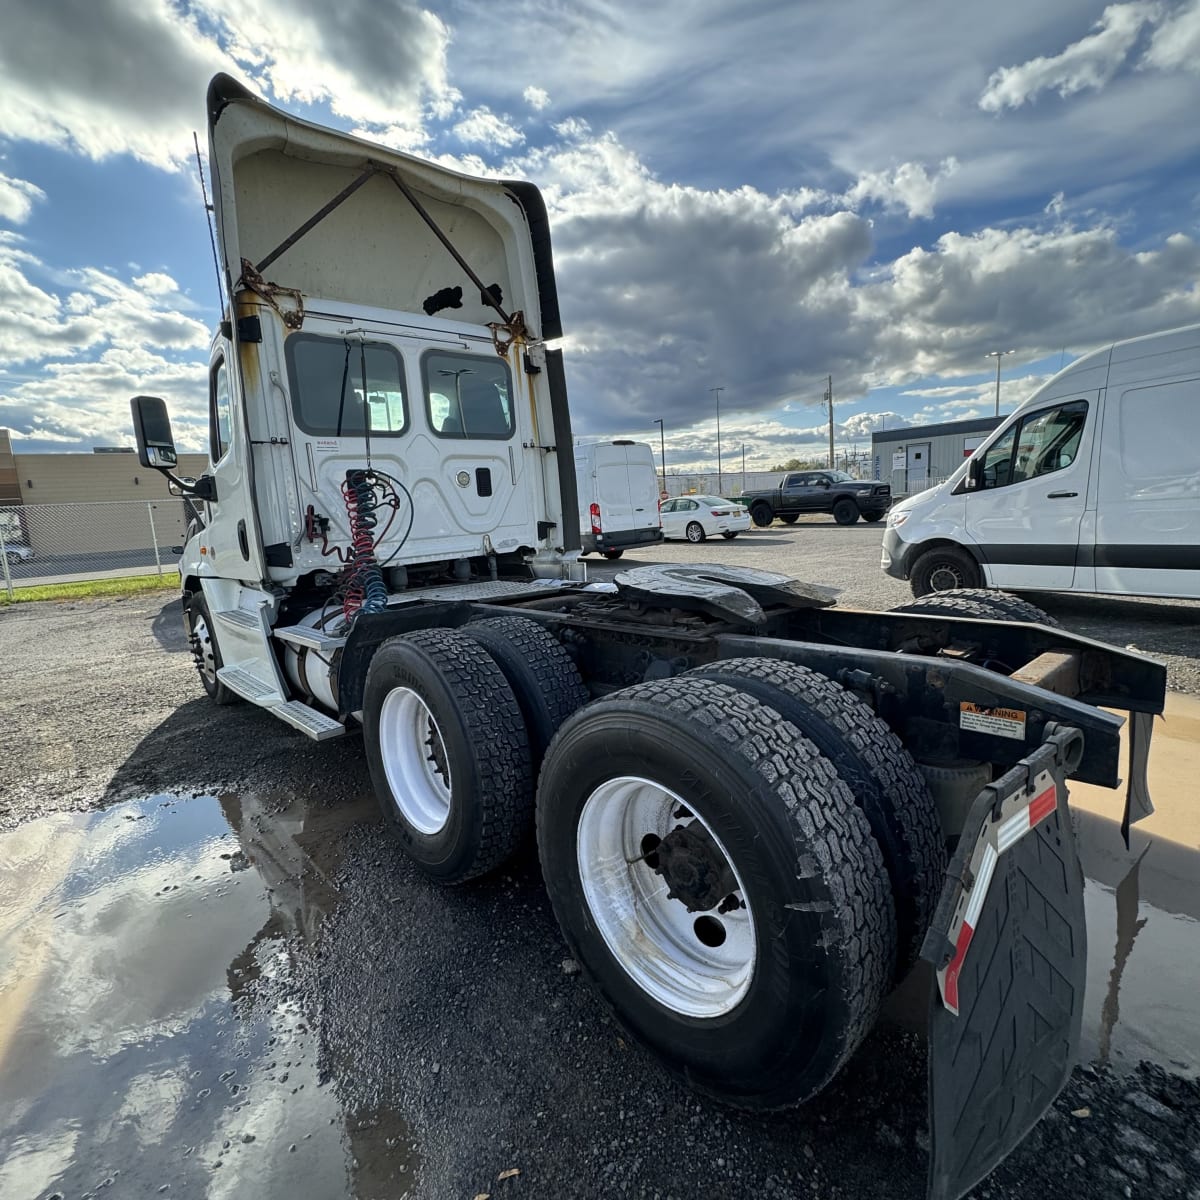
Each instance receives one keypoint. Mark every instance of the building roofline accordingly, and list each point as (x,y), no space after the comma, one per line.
(974,425)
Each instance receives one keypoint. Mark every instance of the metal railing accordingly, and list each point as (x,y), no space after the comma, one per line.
(58,543)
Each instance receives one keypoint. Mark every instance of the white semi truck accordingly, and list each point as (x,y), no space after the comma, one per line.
(754,810)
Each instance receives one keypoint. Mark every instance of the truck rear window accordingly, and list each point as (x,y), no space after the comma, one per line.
(467,396)
(327,378)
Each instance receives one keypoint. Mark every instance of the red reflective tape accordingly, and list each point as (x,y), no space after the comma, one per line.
(950,986)
(1043,806)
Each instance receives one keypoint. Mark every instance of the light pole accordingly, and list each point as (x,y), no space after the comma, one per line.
(998,355)
(662,445)
(718,391)
(743,466)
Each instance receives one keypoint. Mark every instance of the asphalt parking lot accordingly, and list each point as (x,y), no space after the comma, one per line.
(219,977)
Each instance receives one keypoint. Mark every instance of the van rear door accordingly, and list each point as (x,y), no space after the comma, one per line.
(1148,498)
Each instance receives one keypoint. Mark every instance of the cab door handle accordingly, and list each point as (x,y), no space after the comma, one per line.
(1060,495)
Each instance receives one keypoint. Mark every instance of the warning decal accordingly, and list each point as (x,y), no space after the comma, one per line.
(1000,722)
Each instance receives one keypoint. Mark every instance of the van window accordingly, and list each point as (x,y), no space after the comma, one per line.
(467,396)
(220,411)
(1153,421)
(327,378)
(1040,444)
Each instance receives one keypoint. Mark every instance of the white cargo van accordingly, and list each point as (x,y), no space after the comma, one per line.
(618,497)
(1092,485)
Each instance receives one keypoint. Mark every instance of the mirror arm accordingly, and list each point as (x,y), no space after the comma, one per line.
(204,488)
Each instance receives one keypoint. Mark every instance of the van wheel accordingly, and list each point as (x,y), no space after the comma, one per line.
(695,532)
(205,652)
(542,675)
(762,515)
(714,878)
(612,555)
(845,512)
(982,603)
(943,569)
(880,772)
(447,752)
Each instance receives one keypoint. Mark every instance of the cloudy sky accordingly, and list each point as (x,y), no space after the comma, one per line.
(749,196)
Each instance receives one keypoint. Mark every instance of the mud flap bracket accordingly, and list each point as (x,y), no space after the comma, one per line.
(1008,945)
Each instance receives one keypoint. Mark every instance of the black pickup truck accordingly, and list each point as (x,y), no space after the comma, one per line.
(820,492)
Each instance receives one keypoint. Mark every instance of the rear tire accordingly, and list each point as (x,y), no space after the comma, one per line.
(447,752)
(944,569)
(789,518)
(612,555)
(756,1003)
(874,516)
(729,536)
(885,781)
(541,673)
(845,512)
(695,532)
(206,653)
(762,515)
(982,603)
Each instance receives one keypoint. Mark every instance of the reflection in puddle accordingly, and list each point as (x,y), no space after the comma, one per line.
(146,1034)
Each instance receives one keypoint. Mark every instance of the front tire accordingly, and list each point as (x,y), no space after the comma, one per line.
(874,516)
(943,569)
(205,652)
(752,959)
(447,752)
(695,532)
(845,512)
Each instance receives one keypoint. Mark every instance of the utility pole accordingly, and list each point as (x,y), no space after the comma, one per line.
(662,445)
(829,401)
(718,391)
(743,466)
(998,355)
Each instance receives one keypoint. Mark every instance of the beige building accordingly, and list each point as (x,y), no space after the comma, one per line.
(87,503)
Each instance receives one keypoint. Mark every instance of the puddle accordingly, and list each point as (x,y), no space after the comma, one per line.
(1143,937)
(147,1040)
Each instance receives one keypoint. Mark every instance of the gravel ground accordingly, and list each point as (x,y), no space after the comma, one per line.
(441,1035)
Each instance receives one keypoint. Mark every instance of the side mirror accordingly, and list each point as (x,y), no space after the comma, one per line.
(152,429)
(974,473)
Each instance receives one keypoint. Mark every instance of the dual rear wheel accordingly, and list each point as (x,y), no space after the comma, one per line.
(740,880)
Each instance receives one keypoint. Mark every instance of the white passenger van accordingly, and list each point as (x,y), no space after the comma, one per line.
(1092,485)
(618,497)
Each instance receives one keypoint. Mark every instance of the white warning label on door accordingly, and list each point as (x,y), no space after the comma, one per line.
(1000,722)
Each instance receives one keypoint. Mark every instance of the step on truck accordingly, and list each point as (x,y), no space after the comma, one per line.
(755,810)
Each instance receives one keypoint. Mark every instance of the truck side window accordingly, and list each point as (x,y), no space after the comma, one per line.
(220,411)
(328,398)
(467,396)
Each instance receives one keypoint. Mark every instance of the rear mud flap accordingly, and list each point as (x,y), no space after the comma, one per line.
(1009,948)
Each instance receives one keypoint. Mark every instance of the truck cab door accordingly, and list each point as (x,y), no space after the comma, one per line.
(232,547)
(1025,516)
(794,495)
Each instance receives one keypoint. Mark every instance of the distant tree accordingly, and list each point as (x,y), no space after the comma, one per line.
(800,464)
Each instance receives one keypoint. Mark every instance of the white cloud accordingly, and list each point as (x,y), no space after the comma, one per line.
(17,197)
(1086,64)
(537,98)
(1176,42)
(481,126)
(909,187)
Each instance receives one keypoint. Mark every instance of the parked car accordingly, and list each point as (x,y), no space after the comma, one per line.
(1090,486)
(699,517)
(17,554)
(618,497)
(833,492)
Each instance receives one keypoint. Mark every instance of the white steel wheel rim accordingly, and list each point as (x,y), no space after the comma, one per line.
(653,937)
(944,578)
(208,657)
(414,760)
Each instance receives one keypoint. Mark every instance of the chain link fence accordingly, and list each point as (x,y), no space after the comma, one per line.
(59,543)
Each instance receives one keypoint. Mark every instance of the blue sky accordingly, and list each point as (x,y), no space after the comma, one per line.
(749,196)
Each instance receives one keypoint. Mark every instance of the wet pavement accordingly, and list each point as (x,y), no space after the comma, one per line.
(388,1038)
